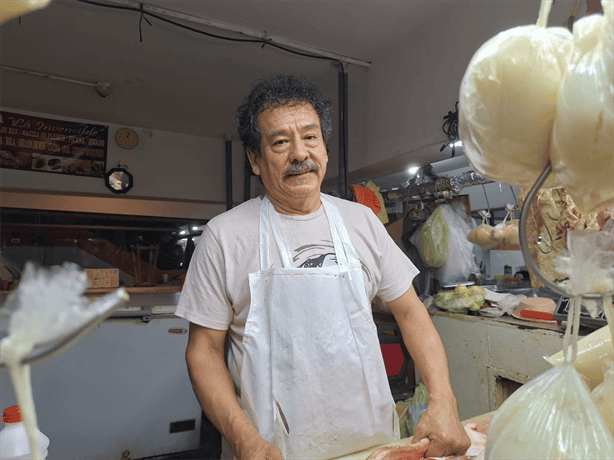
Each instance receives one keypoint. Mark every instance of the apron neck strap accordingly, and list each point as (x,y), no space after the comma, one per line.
(344,250)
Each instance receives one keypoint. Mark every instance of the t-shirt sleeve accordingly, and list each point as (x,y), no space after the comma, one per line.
(203,298)
(397,270)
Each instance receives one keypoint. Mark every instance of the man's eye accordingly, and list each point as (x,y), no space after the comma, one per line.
(280,142)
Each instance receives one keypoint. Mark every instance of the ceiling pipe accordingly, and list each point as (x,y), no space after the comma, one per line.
(103,89)
(243,31)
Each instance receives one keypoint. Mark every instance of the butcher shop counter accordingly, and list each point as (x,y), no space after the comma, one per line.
(489,358)
(479,423)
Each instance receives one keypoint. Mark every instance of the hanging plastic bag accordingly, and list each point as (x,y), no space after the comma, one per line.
(508,100)
(593,350)
(588,264)
(482,235)
(603,396)
(552,416)
(461,262)
(433,240)
(582,152)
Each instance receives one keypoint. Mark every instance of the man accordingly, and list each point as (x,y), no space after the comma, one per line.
(290,277)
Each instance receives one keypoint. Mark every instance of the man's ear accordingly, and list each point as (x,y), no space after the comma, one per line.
(253,160)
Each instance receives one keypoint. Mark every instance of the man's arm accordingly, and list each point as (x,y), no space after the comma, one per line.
(440,423)
(215,392)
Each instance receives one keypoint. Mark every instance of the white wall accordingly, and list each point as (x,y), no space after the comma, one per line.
(164,165)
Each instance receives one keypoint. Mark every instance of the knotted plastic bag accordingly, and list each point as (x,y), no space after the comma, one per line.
(508,99)
(552,416)
(582,152)
(433,240)
(482,235)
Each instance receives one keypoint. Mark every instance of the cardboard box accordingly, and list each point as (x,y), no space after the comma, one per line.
(103,277)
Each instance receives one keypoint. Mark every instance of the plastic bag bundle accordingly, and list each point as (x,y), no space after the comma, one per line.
(482,235)
(433,240)
(46,307)
(582,152)
(506,233)
(508,99)
(588,263)
(552,416)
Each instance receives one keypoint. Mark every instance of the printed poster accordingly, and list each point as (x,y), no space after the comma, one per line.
(32,143)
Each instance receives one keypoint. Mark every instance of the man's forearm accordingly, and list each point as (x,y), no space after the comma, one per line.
(423,344)
(215,392)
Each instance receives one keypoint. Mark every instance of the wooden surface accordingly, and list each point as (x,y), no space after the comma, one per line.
(483,421)
(138,289)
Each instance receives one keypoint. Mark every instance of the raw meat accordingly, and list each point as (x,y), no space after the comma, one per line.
(404,452)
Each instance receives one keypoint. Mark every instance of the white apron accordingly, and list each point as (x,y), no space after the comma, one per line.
(313,379)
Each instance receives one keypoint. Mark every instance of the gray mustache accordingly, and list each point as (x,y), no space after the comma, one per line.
(300,167)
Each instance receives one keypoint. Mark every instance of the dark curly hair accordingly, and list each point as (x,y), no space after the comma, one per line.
(277,91)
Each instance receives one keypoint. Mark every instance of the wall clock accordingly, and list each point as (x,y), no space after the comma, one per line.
(126,138)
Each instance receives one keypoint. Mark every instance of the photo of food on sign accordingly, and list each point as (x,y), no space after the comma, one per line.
(44,145)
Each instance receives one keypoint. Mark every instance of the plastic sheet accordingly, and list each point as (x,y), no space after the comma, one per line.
(508,99)
(582,152)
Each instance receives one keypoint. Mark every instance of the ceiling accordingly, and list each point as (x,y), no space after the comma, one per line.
(174,79)
(168,78)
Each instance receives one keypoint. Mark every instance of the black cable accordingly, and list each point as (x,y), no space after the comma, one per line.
(220,37)
(140,22)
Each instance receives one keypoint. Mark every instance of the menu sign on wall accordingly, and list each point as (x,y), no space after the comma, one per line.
(40,144)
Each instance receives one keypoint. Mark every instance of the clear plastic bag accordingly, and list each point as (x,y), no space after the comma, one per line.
(461,262)
(582,152)
(508,101)
(482,235)
(552,416)
(588,263)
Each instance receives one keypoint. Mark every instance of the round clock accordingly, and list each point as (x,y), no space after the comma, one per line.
(126,138)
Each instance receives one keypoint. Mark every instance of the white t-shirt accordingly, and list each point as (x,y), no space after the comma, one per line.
(216,290)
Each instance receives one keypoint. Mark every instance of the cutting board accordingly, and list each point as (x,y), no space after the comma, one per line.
(483,421)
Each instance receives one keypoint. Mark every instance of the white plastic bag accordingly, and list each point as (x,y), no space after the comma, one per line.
(461,261)
(593,350)
(482,235)
(582,152)
(508,99)
(552,416)
(603,396)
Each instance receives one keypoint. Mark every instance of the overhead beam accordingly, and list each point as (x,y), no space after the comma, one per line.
(243,31)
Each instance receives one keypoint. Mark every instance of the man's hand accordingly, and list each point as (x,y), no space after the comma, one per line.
(259,449)
(441,425)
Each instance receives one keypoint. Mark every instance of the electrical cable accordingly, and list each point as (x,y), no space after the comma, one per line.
(264,42)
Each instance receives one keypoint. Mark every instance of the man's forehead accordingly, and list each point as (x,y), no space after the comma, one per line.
(273,120)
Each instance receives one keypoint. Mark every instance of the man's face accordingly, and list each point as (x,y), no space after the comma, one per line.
(292,160)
